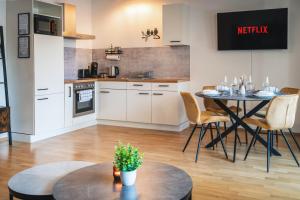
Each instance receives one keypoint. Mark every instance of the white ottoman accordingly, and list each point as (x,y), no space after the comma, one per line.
(37,182)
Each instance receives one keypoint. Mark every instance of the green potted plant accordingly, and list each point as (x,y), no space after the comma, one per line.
(127,159)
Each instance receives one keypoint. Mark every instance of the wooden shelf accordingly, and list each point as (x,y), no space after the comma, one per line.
(79,36)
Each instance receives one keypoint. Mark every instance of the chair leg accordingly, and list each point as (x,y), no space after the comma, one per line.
(225,127)
(288,145)
(211,135)
(234,151)
(268,150)
(252,142)
(272,143)
(277,139)
(199,141)
(245,112)
(256,138)
(11,196)
(188,141)
(205,130)
(291,133)
(219,135)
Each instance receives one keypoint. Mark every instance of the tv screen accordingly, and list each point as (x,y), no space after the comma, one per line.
(259,29)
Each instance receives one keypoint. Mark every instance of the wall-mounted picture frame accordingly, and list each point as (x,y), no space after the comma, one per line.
(24,23)
(24,47)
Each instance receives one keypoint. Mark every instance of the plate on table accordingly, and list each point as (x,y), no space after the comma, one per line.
(264,94)
(211,92)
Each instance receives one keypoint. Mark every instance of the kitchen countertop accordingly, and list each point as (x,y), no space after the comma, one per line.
(154,80)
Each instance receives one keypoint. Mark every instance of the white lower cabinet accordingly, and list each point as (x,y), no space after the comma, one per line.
(167,108)
(68,105)
(49,113)
(111,104)
(139,106)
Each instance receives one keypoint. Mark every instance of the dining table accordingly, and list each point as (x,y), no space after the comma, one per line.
(237,121)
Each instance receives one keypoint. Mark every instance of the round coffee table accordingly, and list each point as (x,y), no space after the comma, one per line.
(154,181)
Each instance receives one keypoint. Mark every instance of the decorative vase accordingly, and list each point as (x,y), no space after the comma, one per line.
(128,178)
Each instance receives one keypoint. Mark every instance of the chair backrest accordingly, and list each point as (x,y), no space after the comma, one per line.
(281,112)
(210,104)
(191,106)
(290,90)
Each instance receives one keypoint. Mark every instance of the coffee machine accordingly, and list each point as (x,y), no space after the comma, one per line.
(114,71)
(94,69)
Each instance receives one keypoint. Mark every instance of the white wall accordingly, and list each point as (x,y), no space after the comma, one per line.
(121,21)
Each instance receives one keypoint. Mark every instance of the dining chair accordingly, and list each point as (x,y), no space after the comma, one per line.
(210,105)
(262,113)
(280,115)
(201,118)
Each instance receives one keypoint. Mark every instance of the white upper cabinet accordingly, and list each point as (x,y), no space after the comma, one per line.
(48,64)
(176,24)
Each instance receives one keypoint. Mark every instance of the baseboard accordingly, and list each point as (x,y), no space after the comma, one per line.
(39,137)
(161,127)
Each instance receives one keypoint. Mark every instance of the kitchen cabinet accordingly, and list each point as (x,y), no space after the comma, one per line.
(111,104)
(139,106)
(68,105)
(48,64)
(176,24)
(49,113)
(167,108)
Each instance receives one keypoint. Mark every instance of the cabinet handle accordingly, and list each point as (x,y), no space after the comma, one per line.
(163,85)
(143,93)
(41,89)
(42,99)
(105,92)
(70,90)
(175,41)
(158,94)
(138,85)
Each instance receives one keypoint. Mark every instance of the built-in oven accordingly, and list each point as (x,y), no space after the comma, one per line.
(84,99)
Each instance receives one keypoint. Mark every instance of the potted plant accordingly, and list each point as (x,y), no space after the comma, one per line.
(127,159)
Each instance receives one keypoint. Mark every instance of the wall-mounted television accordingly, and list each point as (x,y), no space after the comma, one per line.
(257,29)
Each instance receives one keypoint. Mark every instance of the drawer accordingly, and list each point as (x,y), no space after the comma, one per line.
(138,86)
(165,86)
(111,85)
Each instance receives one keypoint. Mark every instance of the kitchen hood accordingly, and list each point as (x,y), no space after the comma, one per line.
(70,31)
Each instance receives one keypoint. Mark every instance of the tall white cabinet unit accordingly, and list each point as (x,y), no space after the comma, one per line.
(176,28)
(36,83)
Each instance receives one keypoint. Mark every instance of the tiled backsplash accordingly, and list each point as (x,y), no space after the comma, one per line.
(75,59)
(172,62)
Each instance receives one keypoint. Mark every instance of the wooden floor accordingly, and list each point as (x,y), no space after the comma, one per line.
(213,176)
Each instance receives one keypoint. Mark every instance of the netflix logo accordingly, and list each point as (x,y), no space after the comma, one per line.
(250,30)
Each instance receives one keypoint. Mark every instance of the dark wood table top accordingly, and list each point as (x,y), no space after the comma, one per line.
(154,181)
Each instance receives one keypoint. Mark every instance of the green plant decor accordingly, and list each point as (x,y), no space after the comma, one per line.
(127,157)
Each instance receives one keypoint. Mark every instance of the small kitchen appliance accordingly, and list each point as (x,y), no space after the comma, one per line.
(94,69)
(84,73)
(114,71)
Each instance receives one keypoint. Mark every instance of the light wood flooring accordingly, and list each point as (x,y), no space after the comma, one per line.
(213,176)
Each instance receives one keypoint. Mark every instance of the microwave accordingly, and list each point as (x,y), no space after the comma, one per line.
(45,25)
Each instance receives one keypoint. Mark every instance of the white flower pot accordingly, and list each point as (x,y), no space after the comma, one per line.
(128,178)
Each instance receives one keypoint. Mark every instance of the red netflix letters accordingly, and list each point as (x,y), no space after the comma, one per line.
(247,30)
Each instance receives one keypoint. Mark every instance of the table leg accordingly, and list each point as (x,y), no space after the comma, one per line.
(239,121)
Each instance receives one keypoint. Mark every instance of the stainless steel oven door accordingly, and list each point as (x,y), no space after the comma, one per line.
(84,102)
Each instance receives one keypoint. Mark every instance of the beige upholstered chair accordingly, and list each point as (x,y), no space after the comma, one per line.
(280,115)
(262,113)
(210,105)
(199,118)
